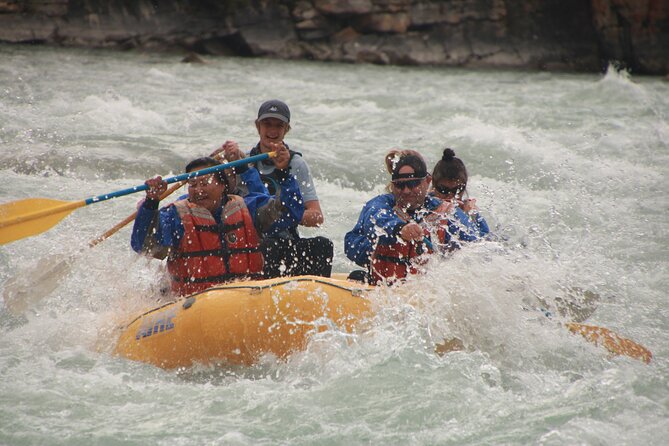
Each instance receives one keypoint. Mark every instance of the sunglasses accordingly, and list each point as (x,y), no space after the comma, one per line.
(411,184)
(449,190)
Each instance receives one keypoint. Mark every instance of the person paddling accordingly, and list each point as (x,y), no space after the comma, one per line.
(211,236)
(394,230)
(449,182)
(286,253)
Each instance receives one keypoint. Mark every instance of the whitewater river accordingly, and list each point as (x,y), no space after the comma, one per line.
(571,171)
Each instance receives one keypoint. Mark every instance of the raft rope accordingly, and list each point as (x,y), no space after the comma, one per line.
(190,300)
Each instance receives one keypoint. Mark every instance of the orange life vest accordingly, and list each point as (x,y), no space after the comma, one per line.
(437,223)
(396,261)
(201,261)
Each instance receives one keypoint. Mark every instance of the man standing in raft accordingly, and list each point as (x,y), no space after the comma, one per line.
(286,253)
(394,230)
(210,236)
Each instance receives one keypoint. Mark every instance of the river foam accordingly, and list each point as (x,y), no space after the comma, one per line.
(569,170)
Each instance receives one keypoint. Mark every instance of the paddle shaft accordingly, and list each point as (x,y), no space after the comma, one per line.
(66,208)
(183,177)
(120,225)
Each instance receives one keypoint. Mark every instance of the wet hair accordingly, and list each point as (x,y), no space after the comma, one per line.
(449,167)
(207,161)
(396,159)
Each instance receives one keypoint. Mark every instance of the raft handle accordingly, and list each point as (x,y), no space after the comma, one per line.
(188,303)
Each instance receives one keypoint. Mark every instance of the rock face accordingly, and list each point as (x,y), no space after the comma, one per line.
(573,35)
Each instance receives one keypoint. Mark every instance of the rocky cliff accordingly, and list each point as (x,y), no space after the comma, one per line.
(578,35)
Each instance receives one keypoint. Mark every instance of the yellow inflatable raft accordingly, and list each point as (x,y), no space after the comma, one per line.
(237,323)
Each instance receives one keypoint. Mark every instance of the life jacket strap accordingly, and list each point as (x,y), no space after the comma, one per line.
(396,260)
(248,250)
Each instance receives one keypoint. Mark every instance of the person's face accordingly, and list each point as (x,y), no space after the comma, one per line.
(271,130)
(206,191)
(410,192)
(449,190)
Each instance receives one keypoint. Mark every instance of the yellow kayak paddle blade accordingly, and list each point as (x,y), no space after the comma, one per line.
(24,218)
(611,341)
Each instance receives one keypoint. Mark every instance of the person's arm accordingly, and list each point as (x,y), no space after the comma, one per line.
(463,227)
(358,246)
(283,211)
(313,215)
(452,220)
(377,224)
(390,225)
(155,231)
(470,208)
(145,222)
(275,214)
(230,151)
(482,225)
(251,178)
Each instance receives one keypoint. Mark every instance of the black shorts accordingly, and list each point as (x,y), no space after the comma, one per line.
(300,257)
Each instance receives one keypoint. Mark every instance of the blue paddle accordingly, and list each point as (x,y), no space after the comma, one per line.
(32,216)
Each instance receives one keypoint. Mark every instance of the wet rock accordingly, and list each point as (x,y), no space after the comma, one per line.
(315,28)
(383,23)
(427,14)
(392,6)
(634,32)
(347,34)
(543,34)
(304,10)
(267,31)
(9,7)
(193,58)
(52,8)
(414,49)
(28,29)
(343,7)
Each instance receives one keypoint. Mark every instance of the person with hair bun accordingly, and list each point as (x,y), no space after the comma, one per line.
(449,183)
(395,230)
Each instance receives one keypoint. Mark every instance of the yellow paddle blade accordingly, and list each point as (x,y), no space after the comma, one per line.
(23,218)
(611,341)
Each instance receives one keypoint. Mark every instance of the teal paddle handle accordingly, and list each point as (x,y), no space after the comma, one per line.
(177,178)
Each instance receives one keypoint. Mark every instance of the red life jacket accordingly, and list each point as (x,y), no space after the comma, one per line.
(437,223)
(396,261)
(201,261)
